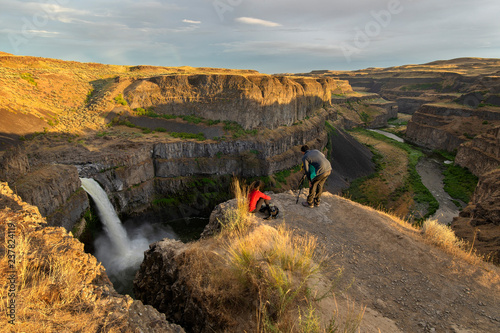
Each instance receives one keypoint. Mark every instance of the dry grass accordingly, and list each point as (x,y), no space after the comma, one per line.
(277,266)
(262,270)
(54,278)
(443,237)
(53,292)
(236,219)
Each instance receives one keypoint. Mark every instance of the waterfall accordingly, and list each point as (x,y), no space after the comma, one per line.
(121,253)
(110,220)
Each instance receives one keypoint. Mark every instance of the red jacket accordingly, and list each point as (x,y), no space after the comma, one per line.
(254,196)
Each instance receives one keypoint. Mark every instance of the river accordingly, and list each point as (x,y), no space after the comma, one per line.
(430,170)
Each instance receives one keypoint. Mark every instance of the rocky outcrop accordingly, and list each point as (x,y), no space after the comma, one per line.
(409,105)
(250,100)
(55,190)
(62,277)
(13,164)
(446,126)
(368,111)
(479,222)
(482,154)
(163,262)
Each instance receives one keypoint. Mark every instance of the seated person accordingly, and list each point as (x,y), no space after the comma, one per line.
(256,199)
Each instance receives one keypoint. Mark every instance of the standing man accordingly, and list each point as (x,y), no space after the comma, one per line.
(315,162)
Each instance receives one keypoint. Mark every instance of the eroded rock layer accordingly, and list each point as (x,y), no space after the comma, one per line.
(482,154)
(479,222)
(250,100)
(62,277)
(445,127)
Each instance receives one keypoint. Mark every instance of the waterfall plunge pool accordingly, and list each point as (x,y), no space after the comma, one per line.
(120,247)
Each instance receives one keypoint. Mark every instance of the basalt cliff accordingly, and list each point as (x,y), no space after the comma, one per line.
(54,285)
(455,107)
(168,140)
(147,133)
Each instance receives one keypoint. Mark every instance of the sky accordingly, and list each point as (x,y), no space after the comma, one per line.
(271,36)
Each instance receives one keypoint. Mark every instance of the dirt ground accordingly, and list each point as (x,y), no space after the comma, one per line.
(406,284)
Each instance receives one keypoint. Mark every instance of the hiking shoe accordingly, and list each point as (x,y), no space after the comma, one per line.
(316,204)
(305,204)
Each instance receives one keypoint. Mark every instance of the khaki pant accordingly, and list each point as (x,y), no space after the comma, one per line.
(316,188)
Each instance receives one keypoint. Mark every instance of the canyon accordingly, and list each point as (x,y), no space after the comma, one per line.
(166,141)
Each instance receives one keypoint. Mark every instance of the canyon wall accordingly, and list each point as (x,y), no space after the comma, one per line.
(479,222)
(53,188)
(250,100)
(482,154)
(446,126)
(62,277)
(133,183)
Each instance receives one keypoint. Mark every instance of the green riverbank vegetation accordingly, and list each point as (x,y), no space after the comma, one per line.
(395,186)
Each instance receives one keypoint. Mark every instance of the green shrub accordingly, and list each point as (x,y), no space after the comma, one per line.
(182,135)
(120,100)
(365,117)
(29,77)
(459,182)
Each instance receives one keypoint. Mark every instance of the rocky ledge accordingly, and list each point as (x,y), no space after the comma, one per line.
(482,154)
(479,222)
(81,290)
(251,100)
(446,126)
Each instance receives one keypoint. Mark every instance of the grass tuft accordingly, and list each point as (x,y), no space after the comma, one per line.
(443,237)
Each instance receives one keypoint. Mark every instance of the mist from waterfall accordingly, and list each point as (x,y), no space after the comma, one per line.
(121,249)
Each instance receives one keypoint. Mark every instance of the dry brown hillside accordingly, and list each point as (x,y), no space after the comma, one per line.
(42,94)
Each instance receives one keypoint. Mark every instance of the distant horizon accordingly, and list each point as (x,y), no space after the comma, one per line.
(246,68)
(280,36)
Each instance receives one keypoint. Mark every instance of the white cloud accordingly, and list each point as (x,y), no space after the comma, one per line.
(191,21)
(256,21)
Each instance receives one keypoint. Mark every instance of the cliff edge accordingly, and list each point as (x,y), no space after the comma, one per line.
(407,284)
(54,286)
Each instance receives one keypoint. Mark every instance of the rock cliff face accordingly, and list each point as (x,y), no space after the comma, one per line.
(54,189)
(250,100)
(482,154)
(66,279)
(446,126)
(409,105)
(368,110)
(479,222)
(134,173)
(164,262)
(286,112)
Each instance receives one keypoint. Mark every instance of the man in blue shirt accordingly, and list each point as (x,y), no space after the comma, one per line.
(317,168)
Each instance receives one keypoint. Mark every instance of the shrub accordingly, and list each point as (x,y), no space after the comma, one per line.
(29,77)
(444,237)
(459,182)
(120,100)
(182,135)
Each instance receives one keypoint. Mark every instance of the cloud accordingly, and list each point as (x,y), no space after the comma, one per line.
(191,21)
(256,21)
